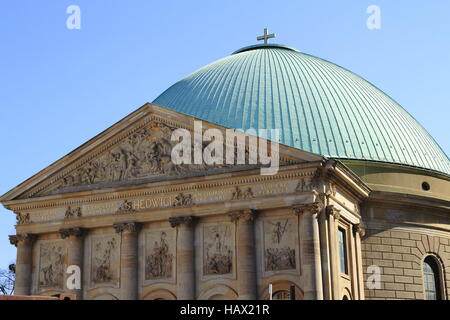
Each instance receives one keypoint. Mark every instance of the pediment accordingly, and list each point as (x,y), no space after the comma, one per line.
(134,151)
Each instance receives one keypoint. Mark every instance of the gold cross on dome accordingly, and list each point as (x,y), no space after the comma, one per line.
(266,36)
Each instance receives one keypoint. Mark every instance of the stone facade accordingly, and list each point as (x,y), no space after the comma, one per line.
(400,253)
(141,228)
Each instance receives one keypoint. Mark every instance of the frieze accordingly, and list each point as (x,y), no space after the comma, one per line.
(238,194)
(130,206)
(126,207)
(307,184)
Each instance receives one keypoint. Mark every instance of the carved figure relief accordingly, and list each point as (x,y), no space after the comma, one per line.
(159,255)
(23,218)
(72,213)
(307,184)
(218,249)
(126,207)
(51,269)
(238,194)
(279,244)
(145,153)
(182,200)
(105,260)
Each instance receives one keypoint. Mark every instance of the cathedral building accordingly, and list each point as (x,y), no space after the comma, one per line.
(358,208)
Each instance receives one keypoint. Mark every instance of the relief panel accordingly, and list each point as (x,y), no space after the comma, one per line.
(52,256)
(105,260)
(218,249)
(280,244)
(160,251)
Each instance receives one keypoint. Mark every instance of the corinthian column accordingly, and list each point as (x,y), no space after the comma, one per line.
(24,244)
(359,231)
(74,243)
(309,223)
(246,260)
(333,216)
(185,257)
(128,260)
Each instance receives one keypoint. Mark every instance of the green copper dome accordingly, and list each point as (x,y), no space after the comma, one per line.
(318,106)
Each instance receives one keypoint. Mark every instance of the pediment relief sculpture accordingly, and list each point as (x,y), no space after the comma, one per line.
(238,194)
(144,154)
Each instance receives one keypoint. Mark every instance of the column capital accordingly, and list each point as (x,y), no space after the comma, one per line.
(359,228)
(314,208)
(25,237)
(244,215)
(126,227)
(331,210)
(177,221)
(75,232)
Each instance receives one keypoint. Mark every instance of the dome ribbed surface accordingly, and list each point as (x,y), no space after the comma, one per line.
(318,106)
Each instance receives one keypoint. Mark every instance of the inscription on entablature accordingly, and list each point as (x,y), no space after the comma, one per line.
(194,197)
(51,265)
(105,260)
(218,249)
(280,247)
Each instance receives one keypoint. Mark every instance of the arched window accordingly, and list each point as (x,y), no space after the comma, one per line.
(432,279)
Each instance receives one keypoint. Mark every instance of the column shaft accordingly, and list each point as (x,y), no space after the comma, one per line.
(246,260)
(311,249)
(74,240)
(185,257)
(333,217)
(128,260)
(24,243)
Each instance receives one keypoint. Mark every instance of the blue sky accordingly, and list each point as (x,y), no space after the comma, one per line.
(61,87)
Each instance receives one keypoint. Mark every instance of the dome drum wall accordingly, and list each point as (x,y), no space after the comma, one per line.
(318,107)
